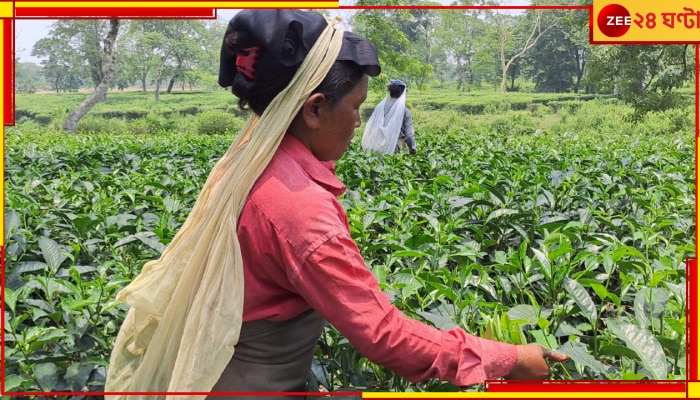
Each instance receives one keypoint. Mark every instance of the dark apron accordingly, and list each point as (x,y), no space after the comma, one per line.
(272,357)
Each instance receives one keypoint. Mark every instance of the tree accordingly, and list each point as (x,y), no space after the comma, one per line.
(106,81)
(73,52)
(557,62)
(28,77)
(381,27)
(536,26)
(646,76)
(172,47)
(58,65)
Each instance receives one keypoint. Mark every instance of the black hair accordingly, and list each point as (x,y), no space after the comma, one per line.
(271,77)
(395,91)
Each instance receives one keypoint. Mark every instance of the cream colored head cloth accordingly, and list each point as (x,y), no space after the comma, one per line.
(186,307)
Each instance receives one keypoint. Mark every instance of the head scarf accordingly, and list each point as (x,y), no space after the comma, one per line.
(186,307)
(288,35)
(383,127)
(397,82)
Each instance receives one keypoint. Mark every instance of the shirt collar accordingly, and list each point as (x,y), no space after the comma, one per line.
(321,172)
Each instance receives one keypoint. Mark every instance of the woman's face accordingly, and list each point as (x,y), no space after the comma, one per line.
(337,124)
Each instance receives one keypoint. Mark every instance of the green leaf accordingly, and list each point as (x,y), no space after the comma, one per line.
(76,304)
(676,325)
(10,299)
(650,303)
(12,222)
(409,253)
(14,382)
(145,238)
(77,376)
(523,312)
(579,355)
(671,346)
(567,330)
(46,375)
(51,252)
(644,344)
(439,321)
(545,340)
(28,266)
(627,251)
(618,351)
(582,298)
(500,213)
(84,224)
(544,262)
(600,290)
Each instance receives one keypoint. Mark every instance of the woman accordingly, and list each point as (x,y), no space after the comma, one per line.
(390,126)
(269,216)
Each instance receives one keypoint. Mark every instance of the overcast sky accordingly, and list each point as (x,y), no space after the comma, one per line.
(28,32)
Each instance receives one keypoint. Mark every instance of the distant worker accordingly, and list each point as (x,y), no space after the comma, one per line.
(391,125)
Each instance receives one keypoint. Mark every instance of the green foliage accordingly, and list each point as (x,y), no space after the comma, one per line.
(384,29)
(100,125)
(212,122)
(571,234)
(646,76)
(514,124)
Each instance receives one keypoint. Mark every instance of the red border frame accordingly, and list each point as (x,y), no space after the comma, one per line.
(102,13)
(492,386)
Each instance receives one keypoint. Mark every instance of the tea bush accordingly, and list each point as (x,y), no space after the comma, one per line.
(212,122)
(572,235)
(100,125)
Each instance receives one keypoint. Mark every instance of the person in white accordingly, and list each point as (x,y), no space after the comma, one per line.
(391,124)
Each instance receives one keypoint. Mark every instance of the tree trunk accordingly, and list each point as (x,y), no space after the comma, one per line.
(530,42)
(159,73)
(101,90)
(171,84)
(143,83)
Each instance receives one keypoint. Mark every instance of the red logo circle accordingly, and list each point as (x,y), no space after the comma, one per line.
(614,20)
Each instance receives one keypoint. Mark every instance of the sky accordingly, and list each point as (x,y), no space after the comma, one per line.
(28,32)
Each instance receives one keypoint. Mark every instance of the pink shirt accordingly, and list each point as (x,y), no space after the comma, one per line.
(298,254)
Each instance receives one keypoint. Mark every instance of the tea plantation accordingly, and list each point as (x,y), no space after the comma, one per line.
(551,220)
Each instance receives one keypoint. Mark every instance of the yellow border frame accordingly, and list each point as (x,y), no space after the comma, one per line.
(7,12)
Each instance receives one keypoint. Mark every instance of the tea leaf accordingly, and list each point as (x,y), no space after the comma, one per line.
(77,376)
(582,298)
(46,375)
(644,344)
(439,321)
(501,212)
(12,222)
(649,303)
(13,382)
(579,355)
(523,312)
(51,252)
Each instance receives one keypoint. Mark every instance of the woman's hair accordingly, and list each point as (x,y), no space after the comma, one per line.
(395,90)
(271,77)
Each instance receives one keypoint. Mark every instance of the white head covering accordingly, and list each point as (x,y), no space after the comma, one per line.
(382,129)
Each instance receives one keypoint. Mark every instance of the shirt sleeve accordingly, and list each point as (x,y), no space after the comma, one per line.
(336,283)
(407,129)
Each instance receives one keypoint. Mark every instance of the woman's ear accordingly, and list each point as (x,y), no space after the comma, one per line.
(312,109)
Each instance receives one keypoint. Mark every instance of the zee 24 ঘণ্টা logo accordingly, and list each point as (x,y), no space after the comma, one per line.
(670,21)
(614,20)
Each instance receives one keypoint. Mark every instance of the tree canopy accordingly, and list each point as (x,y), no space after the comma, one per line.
(467,47)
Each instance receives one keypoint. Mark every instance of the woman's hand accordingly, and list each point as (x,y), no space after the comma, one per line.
(532,362)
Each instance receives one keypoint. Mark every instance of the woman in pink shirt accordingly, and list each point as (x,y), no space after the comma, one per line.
(301,265)
(272,236)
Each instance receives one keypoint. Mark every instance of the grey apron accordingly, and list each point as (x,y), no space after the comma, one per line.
(272,357)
